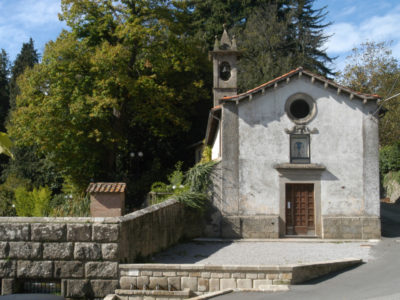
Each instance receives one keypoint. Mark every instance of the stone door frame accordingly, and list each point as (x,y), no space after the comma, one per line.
(300,176)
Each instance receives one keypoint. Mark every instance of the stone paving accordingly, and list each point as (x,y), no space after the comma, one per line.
(256,252)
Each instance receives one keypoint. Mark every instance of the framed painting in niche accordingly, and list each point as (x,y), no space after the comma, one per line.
(299,149)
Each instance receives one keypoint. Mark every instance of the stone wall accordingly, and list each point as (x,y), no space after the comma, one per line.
(80,252)
(345,227)
(157,227)
(84,253)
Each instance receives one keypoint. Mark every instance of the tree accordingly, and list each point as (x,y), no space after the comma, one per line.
(275,36)
(4,87)
(126,78)
(27,58)
(372,69)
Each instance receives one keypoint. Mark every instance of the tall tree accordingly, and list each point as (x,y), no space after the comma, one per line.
(274,35)
(372,69)
(126,79)
(27,58)
(4,87)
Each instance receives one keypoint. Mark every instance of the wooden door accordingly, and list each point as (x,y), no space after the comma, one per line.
(300,209)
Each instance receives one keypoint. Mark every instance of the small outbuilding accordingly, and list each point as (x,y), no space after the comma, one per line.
(298,156)
(107,199)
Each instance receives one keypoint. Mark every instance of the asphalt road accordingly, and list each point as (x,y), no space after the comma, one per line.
(378,279)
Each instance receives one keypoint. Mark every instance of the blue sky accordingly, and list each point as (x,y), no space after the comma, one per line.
(354,22)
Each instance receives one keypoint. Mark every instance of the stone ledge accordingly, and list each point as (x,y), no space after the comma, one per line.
(184,293)
(288,166)
(170,267)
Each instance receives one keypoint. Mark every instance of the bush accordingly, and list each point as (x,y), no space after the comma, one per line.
(32,204)
(389,157)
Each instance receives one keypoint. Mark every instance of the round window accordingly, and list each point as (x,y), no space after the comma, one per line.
(300,108)
(225,70)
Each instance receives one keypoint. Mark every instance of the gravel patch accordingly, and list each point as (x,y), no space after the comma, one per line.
(262,253)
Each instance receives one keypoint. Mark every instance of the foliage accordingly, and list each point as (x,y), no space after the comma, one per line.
(274,36)
(4,87)
(71,202)
(27,58)
(5,144)
(190,188)
(127,77)
(206,154)
(35,203)
(372,69)
(76,206)
(389,158)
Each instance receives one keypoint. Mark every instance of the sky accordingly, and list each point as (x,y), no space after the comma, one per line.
(353,22)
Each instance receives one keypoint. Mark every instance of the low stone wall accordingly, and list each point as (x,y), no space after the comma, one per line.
(80,252)
(201,278)
(157,227)
(345,227)
(84,253)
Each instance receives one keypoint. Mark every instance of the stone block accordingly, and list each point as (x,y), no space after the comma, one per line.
(194,274)
(205,274)
(101,288)
(182,273)
(101,270)
(109,251)
(34,269)
(78,288)
(142,281)
(261,276)
(251,275)
(260,227)
(3,249)
(228,283)
(273,276)
(157,274)
(25,250)
(214,284)
(244,283)
(105,232)
(162,282)
(68,269)
(203,285)
(8,286)
(146,273)
(189,283)
(169,274)
(260,284)
(57,250)
(87,251)
(7,268)
(128,283)
(175,283)
(49,232)
(79,232)
(14,232)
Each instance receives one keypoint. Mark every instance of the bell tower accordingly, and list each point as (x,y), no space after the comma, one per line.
(225,56)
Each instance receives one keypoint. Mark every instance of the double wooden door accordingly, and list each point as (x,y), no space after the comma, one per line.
(300,214)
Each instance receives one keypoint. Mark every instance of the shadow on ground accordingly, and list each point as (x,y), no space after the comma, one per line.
(189,253)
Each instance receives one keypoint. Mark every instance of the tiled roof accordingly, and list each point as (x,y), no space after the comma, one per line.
(106,187)
(313,77)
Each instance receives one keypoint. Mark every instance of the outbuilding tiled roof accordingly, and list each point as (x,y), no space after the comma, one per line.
(300,72)
(106,187)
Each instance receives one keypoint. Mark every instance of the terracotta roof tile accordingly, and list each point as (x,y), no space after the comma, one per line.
(106,187)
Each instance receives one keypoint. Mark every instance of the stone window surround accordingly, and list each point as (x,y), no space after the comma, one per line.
(311,103)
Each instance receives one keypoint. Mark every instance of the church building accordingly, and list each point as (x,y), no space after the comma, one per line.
(298,156)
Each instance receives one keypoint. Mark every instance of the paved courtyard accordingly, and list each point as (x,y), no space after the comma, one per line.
(252,252)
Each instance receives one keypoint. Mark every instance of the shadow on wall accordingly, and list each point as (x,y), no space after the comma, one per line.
(390,219)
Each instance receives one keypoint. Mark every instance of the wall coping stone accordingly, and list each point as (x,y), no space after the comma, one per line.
(87,220)
(148,210)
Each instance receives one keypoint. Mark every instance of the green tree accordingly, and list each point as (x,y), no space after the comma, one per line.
(126,78)
(27,58)
(275,36)
(372,69)
(4,87)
